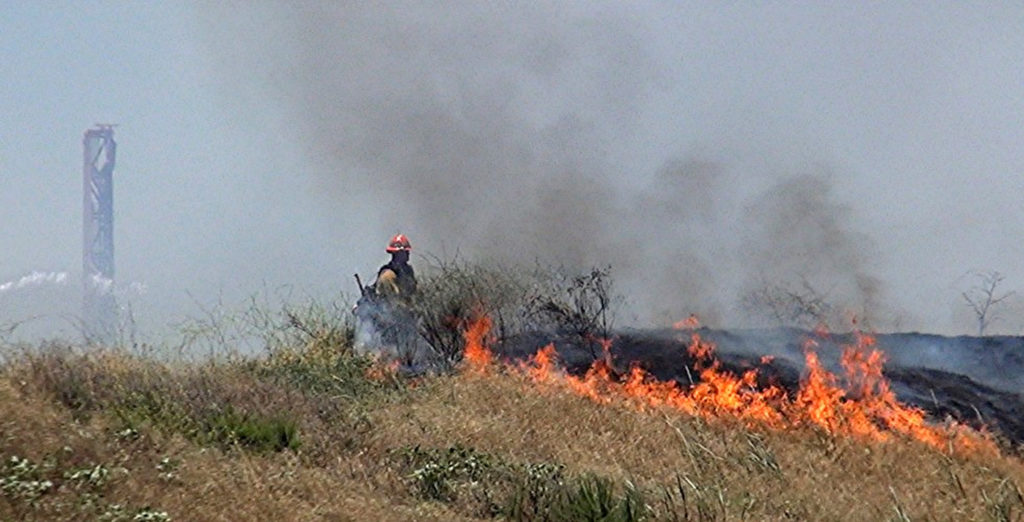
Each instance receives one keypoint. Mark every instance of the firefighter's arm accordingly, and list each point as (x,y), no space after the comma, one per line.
(387,283)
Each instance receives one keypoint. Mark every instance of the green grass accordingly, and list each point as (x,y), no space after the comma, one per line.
(487,485)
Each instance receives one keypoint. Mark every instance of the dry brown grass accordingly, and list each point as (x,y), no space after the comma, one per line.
(186,480)
(347,466)
(741,473)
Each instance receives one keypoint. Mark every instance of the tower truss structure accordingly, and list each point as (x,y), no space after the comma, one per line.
(99,308)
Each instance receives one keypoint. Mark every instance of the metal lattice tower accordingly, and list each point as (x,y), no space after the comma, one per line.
(99,309)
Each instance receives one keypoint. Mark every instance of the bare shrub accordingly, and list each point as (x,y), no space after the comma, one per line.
(580,304)
(454,293)
(800,305)
(984,299)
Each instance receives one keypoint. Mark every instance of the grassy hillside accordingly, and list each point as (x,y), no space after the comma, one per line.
(310,431)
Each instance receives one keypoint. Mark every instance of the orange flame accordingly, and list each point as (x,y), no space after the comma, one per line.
(866,407)
(381,371)
(477,357)
(690,323)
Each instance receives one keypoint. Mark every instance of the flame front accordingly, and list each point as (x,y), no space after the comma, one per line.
(865,406)
(477,357)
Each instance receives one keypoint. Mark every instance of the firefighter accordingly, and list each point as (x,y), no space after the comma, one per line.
(396,281)
(387,306)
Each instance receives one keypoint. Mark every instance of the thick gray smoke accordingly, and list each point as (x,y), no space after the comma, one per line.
(476,135)
(504,132)
(796,236)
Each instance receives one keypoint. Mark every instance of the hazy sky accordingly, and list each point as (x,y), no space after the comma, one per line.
(697,147)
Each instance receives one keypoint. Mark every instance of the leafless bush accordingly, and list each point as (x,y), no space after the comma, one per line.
(454,293)
(786,304)
(517,300)
(582,305)
(983,298)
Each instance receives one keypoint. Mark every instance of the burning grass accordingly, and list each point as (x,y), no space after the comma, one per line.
(865,408)
(312,431)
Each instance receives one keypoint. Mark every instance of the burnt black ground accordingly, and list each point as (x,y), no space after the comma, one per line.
(975,380)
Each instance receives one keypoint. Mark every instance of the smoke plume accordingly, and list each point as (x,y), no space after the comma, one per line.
(503,133)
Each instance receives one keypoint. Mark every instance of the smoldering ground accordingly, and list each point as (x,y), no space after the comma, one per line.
(506,133)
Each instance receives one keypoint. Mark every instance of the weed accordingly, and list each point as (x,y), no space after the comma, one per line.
(230,427)
(538,491)
(168,469)
(705,501)
(148,514)
(127,434)
(592,498)
(534,492)
(140,404)
(22,479)
(1001,504)
(122,513)
(434,471)
(91,477)
(344,376)
(759,455)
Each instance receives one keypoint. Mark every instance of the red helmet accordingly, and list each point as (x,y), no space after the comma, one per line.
(399,243)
